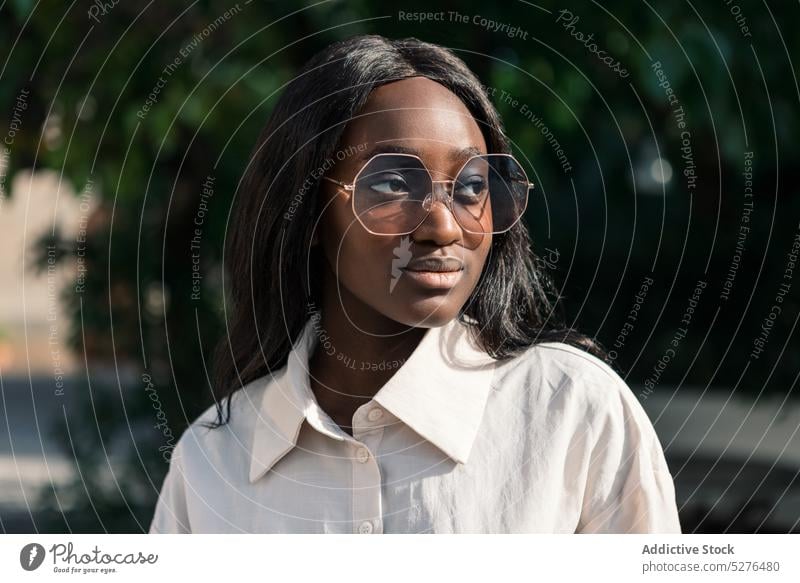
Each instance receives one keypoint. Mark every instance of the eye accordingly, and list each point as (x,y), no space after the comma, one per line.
(472,187)
(390,184)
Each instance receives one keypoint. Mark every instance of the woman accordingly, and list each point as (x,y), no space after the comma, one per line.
(391,363)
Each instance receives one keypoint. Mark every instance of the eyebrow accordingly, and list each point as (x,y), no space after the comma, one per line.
(454,154)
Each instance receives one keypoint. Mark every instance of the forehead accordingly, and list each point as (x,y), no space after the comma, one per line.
(417,112)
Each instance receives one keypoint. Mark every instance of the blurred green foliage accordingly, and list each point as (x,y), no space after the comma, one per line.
(90,71)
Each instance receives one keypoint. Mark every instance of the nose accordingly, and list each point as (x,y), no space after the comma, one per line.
(440,226)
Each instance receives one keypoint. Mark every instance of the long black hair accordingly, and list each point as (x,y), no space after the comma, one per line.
(268,257)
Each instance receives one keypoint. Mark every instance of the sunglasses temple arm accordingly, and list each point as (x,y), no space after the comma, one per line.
(342,184)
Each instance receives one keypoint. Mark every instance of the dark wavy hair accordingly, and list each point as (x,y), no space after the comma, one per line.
(268,256)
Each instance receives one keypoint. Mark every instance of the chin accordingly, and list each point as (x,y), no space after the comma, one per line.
(427,313)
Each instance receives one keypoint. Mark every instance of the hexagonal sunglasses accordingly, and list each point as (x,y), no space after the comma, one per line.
(393,194)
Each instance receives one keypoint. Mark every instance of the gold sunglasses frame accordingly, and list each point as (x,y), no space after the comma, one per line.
(350,188)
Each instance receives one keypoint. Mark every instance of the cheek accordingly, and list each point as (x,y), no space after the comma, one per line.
(479,247)
(360,260)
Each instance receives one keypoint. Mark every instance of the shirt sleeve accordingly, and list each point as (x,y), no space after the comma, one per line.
(629,488)
(171,515)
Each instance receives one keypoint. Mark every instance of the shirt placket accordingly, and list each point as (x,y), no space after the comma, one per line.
(367,503)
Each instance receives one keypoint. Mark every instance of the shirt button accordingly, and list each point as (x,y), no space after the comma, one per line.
(375,414)
(362,455)
(365,527)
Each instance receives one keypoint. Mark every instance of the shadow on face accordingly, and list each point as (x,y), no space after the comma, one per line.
(424,277)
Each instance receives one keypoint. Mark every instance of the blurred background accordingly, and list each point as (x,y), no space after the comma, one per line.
(662,137)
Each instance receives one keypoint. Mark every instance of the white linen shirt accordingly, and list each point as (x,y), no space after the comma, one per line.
(551,441)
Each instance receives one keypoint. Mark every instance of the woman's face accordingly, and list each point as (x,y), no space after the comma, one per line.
(389,275)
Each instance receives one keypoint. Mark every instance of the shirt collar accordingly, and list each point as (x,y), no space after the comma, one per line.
(440,392)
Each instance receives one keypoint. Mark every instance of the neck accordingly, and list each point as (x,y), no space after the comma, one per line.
(357,351)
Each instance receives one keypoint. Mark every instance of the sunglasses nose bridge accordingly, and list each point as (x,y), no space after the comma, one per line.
(442,193)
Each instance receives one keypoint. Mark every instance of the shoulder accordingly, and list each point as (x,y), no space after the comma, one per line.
(574,384)
(202,440)
(570,365)
(561,366)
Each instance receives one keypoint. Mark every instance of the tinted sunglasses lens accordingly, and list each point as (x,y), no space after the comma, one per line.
(389,193)
(490,194)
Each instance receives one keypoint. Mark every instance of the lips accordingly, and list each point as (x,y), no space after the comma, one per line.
(436,273)
(435,264)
